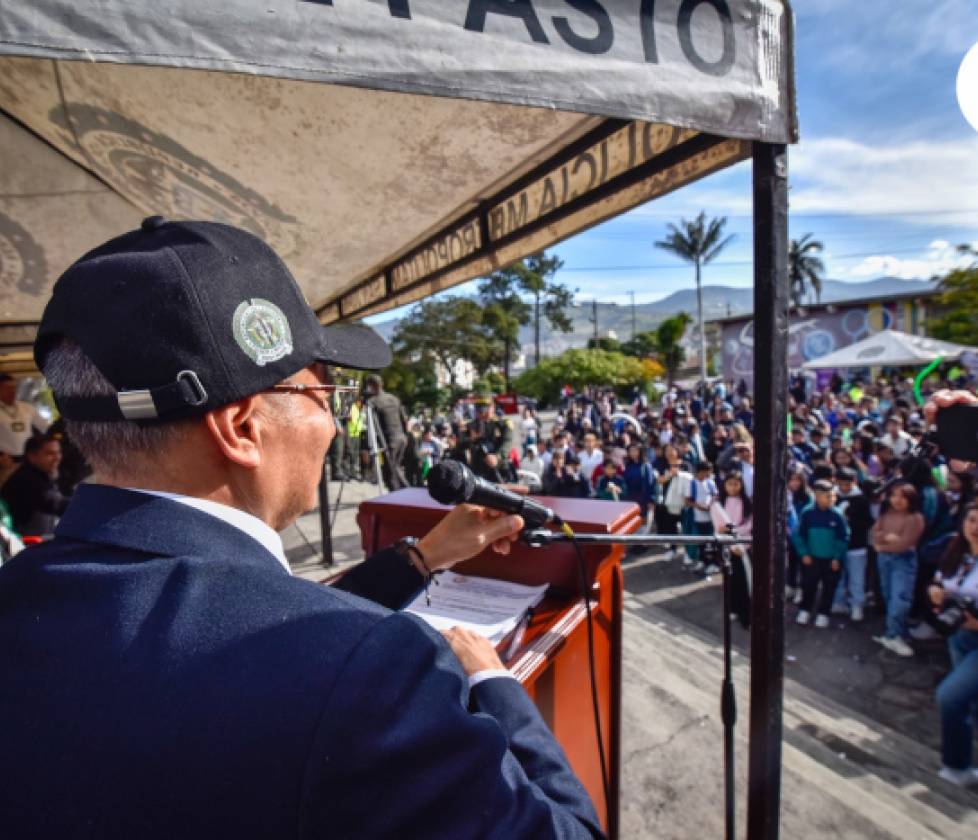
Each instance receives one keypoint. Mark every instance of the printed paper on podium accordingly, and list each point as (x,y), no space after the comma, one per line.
(486,606)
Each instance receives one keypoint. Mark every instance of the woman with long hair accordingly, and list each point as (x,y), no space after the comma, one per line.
(958,692)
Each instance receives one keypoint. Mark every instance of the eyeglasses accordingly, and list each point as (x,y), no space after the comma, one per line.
(301,388)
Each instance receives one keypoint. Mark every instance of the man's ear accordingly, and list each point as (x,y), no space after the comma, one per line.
(236,429)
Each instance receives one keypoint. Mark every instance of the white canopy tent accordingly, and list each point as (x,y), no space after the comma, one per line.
(389,150)
(890,348)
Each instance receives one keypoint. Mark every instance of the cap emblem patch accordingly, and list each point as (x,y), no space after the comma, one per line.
(262,331)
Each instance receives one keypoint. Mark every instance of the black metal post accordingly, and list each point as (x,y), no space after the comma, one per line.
(770,188)
(324,523)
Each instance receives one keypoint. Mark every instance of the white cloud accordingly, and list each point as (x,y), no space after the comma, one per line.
(939,258)
(930,183)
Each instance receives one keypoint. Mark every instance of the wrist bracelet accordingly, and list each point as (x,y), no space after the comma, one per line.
(408,546)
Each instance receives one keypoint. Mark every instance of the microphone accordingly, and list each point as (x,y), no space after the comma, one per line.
(452,483)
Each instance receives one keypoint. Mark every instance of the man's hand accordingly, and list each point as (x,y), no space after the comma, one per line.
(936,595)
(466,531)
(475,652)
(836,565)
(806,560)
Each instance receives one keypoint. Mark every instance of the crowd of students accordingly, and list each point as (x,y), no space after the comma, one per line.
(877,519)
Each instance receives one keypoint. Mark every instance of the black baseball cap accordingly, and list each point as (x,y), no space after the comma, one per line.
(184,317)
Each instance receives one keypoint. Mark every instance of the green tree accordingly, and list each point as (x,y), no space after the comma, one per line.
(642,346)
(698,242)
(415,383)
(504,312)
(446,330)
(959,302)
(805,268)
(604,343)
(579,368)
(668,343)
(549,299)
(502,294)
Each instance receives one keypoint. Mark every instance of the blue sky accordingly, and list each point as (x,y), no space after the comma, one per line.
(885,175)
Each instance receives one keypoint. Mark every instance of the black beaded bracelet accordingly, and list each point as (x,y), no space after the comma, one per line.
(408,546)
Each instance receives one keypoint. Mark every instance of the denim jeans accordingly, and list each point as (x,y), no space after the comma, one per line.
(897,574)
(957,696)
(700,529)
(853,581)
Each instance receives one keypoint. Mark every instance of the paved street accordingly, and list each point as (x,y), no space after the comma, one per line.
(861,728)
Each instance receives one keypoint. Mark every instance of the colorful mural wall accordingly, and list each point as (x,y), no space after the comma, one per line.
(819,331)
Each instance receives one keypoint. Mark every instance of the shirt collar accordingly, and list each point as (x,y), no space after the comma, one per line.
(251,525)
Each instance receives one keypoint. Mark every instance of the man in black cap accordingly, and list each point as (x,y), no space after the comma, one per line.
(163,674)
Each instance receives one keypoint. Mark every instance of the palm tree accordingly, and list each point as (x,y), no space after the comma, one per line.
(697,242)
(805,269)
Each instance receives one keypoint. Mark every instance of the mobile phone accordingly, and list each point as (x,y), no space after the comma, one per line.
(957,432)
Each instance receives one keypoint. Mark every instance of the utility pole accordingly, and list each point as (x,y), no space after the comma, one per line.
(594,319)
(632,295)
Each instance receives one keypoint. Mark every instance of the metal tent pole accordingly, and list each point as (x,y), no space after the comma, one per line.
(770,193)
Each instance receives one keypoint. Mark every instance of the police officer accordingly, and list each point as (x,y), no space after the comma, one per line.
(163,674)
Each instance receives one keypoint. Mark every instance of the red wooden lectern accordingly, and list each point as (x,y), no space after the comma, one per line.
(552,661)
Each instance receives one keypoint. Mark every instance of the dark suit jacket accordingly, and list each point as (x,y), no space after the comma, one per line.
(161,676)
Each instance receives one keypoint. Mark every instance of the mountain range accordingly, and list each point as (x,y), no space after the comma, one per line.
(718,302)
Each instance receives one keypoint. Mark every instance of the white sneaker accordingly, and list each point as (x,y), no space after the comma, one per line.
(698,566)
(923,632)
(669,555)
(821,621)
(959,777)
(681,555)
(798,598)
(840,609)
(803,617)
(895,644)
(789,593)
(689,561)
(712,569)
(856,614)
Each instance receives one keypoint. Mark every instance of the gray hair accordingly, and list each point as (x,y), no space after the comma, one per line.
(108,445)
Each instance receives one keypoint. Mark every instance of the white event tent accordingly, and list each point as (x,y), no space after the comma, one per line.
(890,348)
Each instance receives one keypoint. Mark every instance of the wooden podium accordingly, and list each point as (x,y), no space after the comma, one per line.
(552,661)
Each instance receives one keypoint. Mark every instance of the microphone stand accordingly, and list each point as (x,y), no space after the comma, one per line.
(538,537)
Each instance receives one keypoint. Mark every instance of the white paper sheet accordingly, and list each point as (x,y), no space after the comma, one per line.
(486,606)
